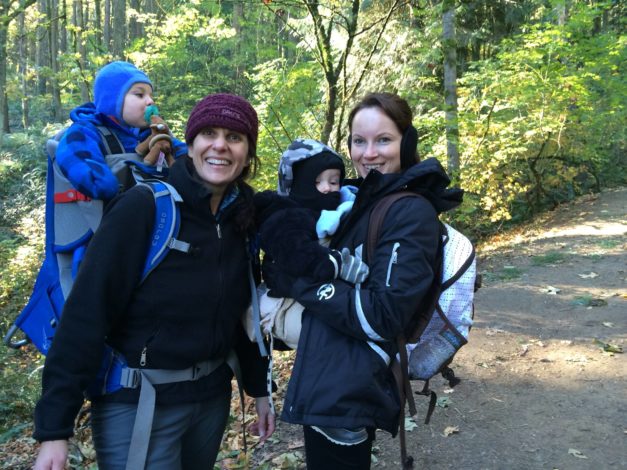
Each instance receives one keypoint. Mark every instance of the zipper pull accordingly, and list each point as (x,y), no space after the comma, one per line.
(219,230)
(142,359)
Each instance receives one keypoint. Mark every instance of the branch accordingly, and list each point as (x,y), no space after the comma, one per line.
(296,33)
(11,15)
(372,51)
(485,133)
(278,118)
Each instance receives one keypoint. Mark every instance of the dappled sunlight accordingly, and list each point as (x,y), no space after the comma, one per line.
(590,228)
(566,222)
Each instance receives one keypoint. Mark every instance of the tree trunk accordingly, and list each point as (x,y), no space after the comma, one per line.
(4,105)
(22,70)
(53,44)
(134,26)
(118,28)
(42,47)
(106,26)
(562,13)
(450,84)
(97,24)
(62,26)
(10,10)
(79,47)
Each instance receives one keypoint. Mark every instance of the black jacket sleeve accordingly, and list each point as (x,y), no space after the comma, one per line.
(289,237)
(401,275)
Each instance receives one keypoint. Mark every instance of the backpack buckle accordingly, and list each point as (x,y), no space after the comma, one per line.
(71,195)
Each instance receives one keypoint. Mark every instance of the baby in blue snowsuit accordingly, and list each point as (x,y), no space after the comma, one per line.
(122,94)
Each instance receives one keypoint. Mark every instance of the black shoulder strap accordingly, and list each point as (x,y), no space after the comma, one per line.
(377,215)
(112,144)
(399,368)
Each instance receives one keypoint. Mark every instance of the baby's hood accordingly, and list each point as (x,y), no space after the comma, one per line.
(299,149)
(112,83)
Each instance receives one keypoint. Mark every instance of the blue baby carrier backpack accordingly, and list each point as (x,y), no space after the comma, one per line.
(71,219)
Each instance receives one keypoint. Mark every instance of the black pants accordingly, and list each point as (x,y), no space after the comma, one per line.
(322,454)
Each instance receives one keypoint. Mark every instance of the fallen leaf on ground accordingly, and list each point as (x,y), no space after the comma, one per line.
(590,275)
(450,430)
(577,453)
(608,347)
(410,424)
(443,402)
(296,444)
(288,460)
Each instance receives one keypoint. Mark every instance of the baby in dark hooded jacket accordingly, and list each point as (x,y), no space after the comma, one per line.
(296,221)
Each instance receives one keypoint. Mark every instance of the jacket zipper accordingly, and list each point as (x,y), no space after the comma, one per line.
(393,260)
(143,357)
(219,232)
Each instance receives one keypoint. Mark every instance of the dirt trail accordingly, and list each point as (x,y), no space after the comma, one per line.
(538,391)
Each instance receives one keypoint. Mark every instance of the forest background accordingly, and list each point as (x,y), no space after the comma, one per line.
(523,101)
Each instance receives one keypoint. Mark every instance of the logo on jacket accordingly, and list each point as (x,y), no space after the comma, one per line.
(326,291)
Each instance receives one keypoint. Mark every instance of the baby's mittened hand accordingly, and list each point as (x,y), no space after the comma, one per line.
(353,269)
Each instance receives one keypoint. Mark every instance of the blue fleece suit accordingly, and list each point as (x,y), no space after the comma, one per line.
(81,154)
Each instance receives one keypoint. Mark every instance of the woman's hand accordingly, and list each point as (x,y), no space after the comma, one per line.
(53,455)
(264,426)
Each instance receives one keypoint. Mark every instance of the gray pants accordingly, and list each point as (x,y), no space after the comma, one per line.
(183,437)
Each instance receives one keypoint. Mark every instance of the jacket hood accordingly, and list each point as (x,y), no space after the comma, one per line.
(299,149)
(112,83)
(427,178)
(87,113)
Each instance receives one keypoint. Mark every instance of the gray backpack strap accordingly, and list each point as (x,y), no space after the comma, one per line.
(146,379)
(116,157)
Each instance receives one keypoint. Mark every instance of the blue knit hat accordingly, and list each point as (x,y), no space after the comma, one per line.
(112,83)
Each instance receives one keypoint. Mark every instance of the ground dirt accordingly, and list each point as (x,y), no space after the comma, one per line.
(538,391)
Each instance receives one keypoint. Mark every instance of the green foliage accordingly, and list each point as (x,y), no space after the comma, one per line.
(21,379)
(22,180)
(538,124)
(541,107)
(22,176)
(288,102)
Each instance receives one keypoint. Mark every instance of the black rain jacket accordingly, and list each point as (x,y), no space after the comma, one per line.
(342,376)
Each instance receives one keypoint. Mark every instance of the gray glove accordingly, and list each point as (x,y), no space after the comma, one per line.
(353,269)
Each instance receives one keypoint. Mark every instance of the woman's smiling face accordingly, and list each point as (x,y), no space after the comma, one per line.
(219,155)
(375,142)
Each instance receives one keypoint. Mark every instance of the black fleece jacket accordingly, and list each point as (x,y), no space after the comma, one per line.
(186,311)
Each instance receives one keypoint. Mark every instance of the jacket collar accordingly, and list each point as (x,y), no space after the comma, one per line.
(426,178)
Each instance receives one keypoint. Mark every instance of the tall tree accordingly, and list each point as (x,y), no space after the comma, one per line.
(106,26)
(449,44)
(118,27)
(9,10)
(334,22)
(135,29)
(43,61)
(23,69)
(53,54)
(79,48)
